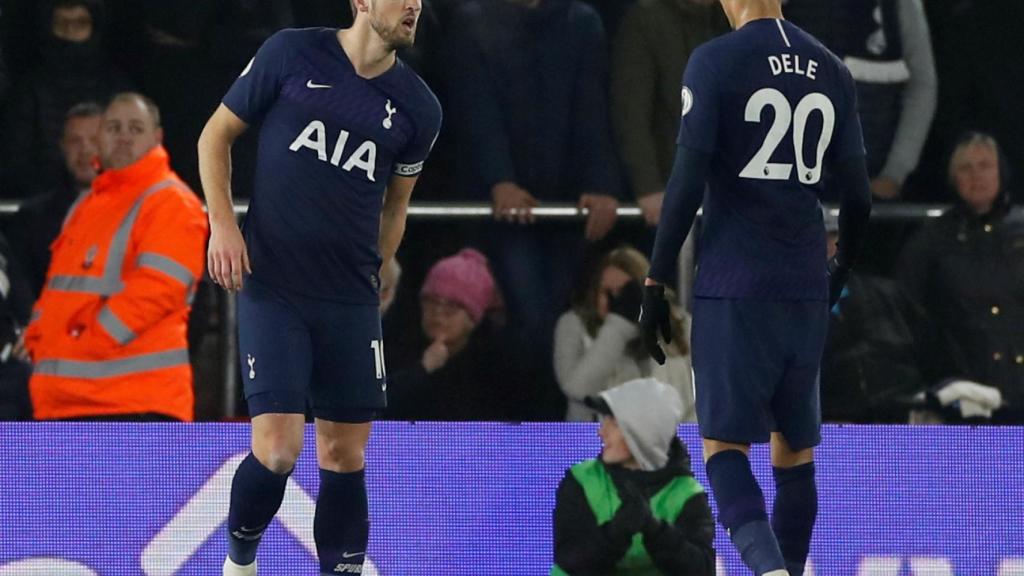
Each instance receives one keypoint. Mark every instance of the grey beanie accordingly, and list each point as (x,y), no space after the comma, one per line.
(648,412)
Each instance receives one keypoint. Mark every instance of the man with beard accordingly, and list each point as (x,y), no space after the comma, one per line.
(72,68)
(346,127)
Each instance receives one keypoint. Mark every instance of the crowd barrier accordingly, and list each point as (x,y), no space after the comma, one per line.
(81,499)
(227,382)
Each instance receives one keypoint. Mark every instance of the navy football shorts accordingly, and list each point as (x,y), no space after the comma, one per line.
(297,352)
(756,366)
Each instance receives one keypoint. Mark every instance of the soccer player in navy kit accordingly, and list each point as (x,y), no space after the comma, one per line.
(346,127)
(766,109)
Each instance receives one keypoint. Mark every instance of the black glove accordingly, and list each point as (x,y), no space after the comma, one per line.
(632,517)
(654,317)
(627,302)
(838,274)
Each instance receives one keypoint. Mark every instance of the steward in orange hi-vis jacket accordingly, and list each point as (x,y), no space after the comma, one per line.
(108,334)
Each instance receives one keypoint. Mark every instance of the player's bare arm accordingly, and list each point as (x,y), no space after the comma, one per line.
(227,258)
(392,217)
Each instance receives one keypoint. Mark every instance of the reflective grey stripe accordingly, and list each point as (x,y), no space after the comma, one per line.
(110,283)
(35,315)
(85,284)
(167,266)
(115,327)
(119,245)
(111,368)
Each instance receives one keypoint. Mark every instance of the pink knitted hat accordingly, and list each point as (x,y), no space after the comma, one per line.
(464,279)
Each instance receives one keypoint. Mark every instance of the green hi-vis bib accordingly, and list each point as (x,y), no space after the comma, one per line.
(603,498)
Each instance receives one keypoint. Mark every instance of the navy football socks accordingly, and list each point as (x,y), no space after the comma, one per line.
(742,512)
(341,526)
(796,507)
(256,495)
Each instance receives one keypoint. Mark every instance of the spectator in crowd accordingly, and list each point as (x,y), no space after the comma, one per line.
(162,43)
(597,343)
(637,508)
(980,79)
(870,370)
(15,368)
(40,218)
(966,269)
(886,46)
(390,275)
(461,368)
(73,67)
(650,52)
(529,80)
(654,43)
(108,334)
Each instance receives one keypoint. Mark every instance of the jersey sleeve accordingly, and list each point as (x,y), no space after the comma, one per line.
(409,161)
(256,89)
(698,128)
(848,140)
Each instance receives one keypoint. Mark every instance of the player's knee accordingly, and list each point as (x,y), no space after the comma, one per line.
(784,456)
(712,447)
(338,455)
(277,456)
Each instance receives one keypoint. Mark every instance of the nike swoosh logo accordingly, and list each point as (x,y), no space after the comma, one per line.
(351,555)
(309,84)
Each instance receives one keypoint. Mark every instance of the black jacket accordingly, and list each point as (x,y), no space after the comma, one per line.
(482,382)
(68,73)
(871,368)
(531,88)
(967,272)
(36,227)
(682,549)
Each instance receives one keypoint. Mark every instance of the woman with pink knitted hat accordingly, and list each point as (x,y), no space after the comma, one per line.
(461,369)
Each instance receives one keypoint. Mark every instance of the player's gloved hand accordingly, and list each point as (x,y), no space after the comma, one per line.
(654,318)
(838,274)
(627,302)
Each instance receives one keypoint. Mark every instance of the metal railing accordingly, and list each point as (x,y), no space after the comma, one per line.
(482,210)
(441,211)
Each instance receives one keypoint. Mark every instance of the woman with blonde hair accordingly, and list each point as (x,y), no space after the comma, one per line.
(597,342)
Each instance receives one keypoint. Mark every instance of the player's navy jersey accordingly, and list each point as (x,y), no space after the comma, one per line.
(329,142)
(773,107)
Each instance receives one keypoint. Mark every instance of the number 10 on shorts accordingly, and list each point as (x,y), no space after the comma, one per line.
(378,357)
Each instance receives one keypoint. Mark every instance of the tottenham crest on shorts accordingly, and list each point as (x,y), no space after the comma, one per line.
(687,99)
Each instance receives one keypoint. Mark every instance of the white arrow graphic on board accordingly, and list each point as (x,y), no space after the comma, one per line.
(207,510)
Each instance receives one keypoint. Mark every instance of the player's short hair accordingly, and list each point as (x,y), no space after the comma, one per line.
(83,110)
(147,103)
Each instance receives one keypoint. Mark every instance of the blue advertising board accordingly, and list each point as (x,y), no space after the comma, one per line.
(82,499)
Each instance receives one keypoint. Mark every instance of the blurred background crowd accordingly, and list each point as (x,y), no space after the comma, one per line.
(567,102)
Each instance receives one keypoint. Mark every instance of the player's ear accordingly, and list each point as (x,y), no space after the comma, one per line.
(359,6)
(159,135)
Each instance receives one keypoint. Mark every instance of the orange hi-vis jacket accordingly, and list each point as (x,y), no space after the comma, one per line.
(108,333)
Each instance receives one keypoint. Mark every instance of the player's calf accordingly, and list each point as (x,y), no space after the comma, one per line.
(341,526)
(741,511)
(256,495)
(795,510)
